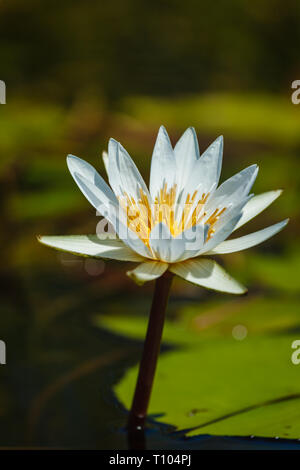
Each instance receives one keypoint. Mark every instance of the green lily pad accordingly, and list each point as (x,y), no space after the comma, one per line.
(218,381)
(277,272)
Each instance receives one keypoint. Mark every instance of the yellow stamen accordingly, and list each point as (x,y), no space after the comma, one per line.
(141,218)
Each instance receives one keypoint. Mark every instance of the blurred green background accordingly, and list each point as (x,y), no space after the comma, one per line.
(76,74)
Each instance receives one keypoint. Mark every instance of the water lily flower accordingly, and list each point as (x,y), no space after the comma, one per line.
(181,219)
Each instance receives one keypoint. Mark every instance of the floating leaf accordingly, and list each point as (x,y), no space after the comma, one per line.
(216,384)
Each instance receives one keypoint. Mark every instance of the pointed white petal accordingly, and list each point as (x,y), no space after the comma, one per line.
(186,153)
(187,147)
(113,213)
(212,158)
(163,164)
(81,168)
(105,160)
(253,239)
(124,177)
(147,271)
(203,177)
(224,226)
(92,246)
(220,235)
(112,170)
(207,169)
(95,195)
(164,246)
(207,273)
(256,205)
(93,186)
(234,189)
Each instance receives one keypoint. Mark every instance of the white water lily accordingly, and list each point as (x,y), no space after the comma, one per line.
(182,218)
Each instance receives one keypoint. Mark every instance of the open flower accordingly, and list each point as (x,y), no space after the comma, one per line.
(182,218)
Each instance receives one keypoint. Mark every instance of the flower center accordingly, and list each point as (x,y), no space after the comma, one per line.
(142,217)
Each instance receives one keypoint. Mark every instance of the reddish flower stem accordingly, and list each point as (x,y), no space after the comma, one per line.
(138,412)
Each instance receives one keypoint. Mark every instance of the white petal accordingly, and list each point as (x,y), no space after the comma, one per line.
(187,147)
(173,249)
(131,239)
(105,202)
(186,153)
(207,169)
(113,213)
(79,167)
(147,271)
(207,273)
(234,189)
(220,235)
(163,164)
(193,240)
(92,246)
(256,205)
(242,243)
(93,186)
(122,172)
(224,226)
(94,194)
(164,246)
(105,160)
